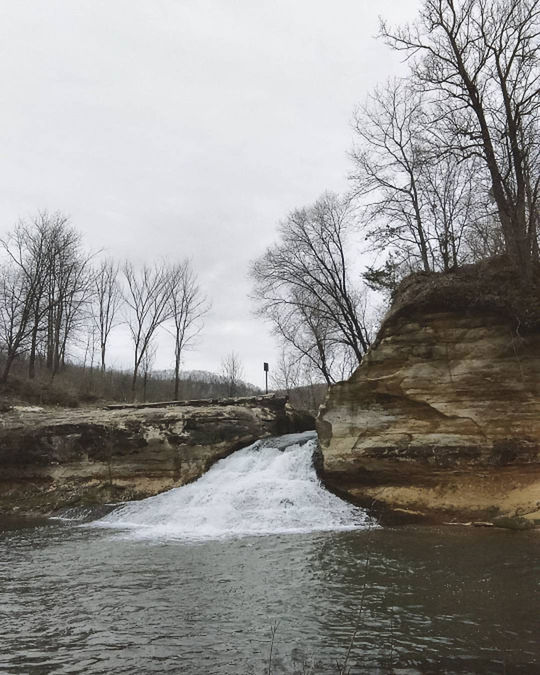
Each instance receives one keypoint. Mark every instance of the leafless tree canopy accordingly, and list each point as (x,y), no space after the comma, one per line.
(303,288)
(417,203)
(15,314)
(147,298)
(232,373)
(476,62)
(46,290)
(107,301)
(188,306)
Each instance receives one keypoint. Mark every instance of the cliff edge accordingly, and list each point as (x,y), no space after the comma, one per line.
(441,421)
(52,459)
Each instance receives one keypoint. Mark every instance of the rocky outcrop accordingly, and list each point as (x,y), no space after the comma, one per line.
(50,459)
(442,419)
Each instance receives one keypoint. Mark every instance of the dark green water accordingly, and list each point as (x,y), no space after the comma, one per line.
(423,600)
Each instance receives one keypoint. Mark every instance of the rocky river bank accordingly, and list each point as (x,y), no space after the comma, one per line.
(52,458)
(441,422)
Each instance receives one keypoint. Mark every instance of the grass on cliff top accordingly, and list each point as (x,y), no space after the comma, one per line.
(490,286)
(77,386)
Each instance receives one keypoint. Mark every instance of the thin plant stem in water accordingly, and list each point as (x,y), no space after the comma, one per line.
(343,668)
(273,631)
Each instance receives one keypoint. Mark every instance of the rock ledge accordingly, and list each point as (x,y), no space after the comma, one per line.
(442,418)
(51,459)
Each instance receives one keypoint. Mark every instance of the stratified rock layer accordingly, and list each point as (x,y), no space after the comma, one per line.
(441,420)
(72,457)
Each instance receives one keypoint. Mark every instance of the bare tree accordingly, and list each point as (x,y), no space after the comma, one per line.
(478,61)
(188,305)
(302,327)
(301,382)
(147,297)
(389,162)
(302,286)
(418,205)
(232,373)
(69,290)
(28,250)
(76,312)
(287,371)
(47,255)
(456,205)
(90,344)
(108,299)
(15,315)
(484,239)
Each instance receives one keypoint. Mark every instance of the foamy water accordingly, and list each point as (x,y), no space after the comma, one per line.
(269,487)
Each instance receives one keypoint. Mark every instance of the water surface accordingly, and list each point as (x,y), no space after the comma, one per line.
(143,590)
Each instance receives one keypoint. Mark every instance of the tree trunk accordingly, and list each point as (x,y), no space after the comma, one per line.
(177,376)
(423,249)
(50,338)
(517,244)
(7,367)
(33,350)
(134,384)
(145,380)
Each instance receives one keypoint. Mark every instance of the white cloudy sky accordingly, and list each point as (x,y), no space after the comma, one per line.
(185,128)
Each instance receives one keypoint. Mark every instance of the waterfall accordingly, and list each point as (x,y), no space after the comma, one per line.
(270,487)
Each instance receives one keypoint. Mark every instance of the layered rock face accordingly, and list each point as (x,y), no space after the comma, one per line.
(52,459)
(442,418)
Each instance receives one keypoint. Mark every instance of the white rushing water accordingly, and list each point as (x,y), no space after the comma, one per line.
(269,487)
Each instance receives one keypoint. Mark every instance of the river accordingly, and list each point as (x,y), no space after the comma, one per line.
(257,569)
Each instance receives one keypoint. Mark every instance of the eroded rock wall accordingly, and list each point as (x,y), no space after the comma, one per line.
(442,418)
(50,458)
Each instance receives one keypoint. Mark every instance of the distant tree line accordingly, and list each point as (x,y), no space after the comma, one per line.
(446,171)
(59,305)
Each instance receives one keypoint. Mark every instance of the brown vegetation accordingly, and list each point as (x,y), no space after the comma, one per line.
(488,286)
(77,385)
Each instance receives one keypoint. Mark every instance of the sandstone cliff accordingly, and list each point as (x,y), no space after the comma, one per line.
(50,459)
(442,418)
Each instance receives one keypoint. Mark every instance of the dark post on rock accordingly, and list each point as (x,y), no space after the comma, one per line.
(265,365)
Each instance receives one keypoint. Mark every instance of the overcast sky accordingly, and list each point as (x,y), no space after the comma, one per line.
(185,128)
